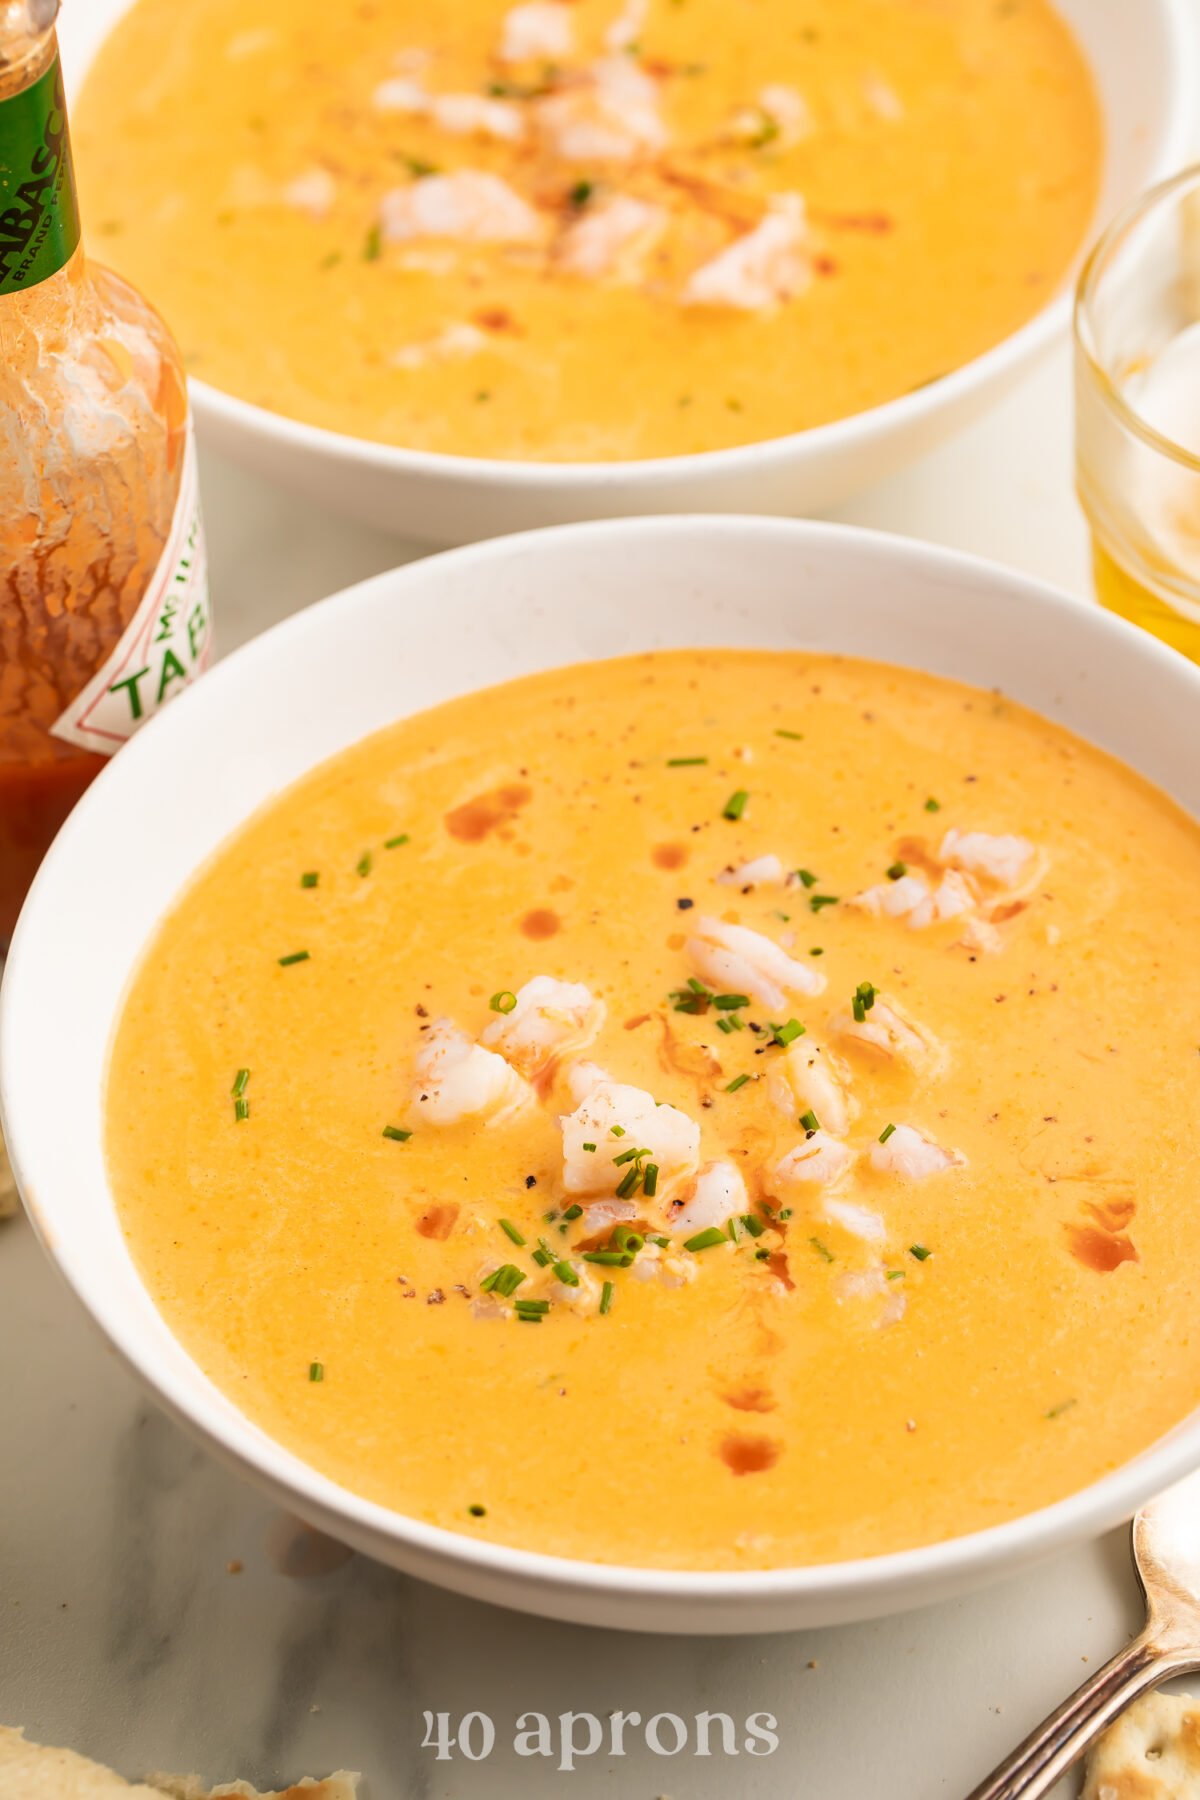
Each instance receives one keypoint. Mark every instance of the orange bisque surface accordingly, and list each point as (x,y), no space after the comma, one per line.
(925,169)
(812,1387)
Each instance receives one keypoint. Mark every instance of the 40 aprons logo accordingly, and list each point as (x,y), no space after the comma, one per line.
(166,644)
(567,1738)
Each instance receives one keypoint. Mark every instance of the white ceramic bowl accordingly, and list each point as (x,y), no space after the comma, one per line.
(1143,56)
(404,641)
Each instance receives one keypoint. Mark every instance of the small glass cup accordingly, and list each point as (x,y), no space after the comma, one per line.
(1137,411)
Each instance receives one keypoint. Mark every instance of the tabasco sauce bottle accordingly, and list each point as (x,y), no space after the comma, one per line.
(103,599)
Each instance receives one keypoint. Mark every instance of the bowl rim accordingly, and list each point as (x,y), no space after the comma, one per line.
(192,1397)
(1177,107)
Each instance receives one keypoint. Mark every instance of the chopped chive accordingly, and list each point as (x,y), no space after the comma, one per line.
(726,1025)
(543,1258)
(632,1176)
(373,245)
(566,1273)
(864,1000)
(786,917)
(739,1081)
(761,1255)
(239,1083)
(297,956)
(532,1306)
(316,1371)
(796,736)
(822,1251)
(395,842)
(810,1121)
(816,950)
(309,879)
(617,1130)
(589,1148)
(732,1228)
(932,805)
(650,1181)
(886,1133)
(504,1281)
(581,193)
(730,1002)
(628,1156)
(395,1133)
(477,1512)
(920,1252)
(807,877)
(817,901)
(1056,1412)
(241,1108)
(504,1001)
(664,1243)
(704,1240)
(753,1224)
(735,806)
(897,870)
(363,865)
(510,1231)
(785,1212)
(606,1297)
(895,1274)
(685,762)
(609,1259)
(787,1034)
(573,1212)
(529,1318)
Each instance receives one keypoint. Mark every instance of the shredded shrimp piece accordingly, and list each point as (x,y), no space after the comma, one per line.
(999,859)
(462,115)
(583,1078)
(780,116)
(717,1193)
(911,1155)
(470,205)
(454,1078)
(820,1159)
(611,238)
(761,871)
(456,341)
(737,960)
(670,1139)
(859,1221)
(912,898)
(808,1078)
(612,116)
(759,269)
(313,192)
(887,1031)
(602,1215)
(551,1019)
(539,28)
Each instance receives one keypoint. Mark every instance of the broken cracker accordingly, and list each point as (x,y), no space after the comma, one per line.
(38,1772)
(1152,1752)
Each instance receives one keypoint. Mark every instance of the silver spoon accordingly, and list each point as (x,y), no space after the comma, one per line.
(1166,1553)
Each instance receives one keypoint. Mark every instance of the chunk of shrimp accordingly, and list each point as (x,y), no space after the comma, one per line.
(1000,859)
(550,1020)
(758,269)
(887,1031)
(455,1078)
(717,1193)
(820,1160)
(760,871)
(615,1119)
(737,960)
(913,899)
(809,1079)
(912,1156)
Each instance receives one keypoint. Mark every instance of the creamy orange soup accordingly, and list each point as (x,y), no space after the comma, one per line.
(610,229)
(708,1110)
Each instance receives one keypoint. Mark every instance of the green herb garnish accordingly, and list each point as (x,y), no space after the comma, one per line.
(396,1135)
(504,1281)
(373,245)
(797,736)
(606,1297)
(920,1252)
(297,956)
(363,865)
(510,1231)
(897,870)
(783,1035)
(704,1240)
(309,879)
(504,1001)
(316,1371)
(739,1081)
(735,806)
(685,762)
(864,999)
(886,1133)
(932,805)
(817,901)
(394,843)
(825,1254)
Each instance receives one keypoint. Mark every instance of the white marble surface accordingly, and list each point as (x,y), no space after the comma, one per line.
(123,1633)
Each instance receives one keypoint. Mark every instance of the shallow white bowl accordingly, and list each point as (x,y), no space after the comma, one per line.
(1144,58)
(404,641)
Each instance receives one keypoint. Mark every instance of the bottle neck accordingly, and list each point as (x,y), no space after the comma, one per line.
(39,207)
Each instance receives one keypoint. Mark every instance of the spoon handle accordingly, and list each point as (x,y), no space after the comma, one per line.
(1048,1752)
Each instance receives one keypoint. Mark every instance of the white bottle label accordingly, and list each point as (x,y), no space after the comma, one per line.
(166,644)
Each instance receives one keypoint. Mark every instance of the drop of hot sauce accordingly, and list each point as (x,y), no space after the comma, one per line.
(471,822)
(744,1455)
(540,923)
(1100,1251)
(669,856)
(438,1221)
